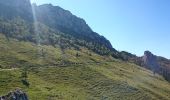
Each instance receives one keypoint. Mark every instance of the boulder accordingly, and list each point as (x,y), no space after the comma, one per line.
(15,95)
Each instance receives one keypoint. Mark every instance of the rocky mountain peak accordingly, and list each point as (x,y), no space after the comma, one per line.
(148,56)
(150,61)
(147,53)
(61,19)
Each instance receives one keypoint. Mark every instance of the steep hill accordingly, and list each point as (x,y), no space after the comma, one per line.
(87,75)
(52,54)
(42,24)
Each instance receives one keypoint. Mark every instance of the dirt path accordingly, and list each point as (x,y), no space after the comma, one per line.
(8,69)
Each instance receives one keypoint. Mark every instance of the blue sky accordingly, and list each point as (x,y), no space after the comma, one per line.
(130,25)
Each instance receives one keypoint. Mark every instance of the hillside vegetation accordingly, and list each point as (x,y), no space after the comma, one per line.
(51,54)
(84,75)
(48,24)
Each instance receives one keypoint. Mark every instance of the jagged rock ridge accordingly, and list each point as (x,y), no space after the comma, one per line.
(63,20)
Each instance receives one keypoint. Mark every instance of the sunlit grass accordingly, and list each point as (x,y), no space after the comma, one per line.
(114,80)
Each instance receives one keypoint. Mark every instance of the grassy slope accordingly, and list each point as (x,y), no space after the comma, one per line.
(106,81)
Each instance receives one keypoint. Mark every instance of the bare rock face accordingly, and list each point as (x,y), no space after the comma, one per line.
(150,61)
(10,9)
(64,21)
(15,95)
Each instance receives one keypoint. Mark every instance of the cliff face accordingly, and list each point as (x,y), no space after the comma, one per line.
(157,64)
(15,95)
(18,17)
(16,8)
(150,61)
(64,21)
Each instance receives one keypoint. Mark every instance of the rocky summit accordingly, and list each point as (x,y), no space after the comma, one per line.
(150,61)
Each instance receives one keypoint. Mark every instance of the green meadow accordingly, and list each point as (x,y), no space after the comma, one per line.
(56,75)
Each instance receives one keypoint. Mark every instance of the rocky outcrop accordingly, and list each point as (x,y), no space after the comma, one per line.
(150,61)
(15,95)
(156,64)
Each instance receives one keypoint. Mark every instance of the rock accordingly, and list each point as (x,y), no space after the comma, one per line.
(16,8)
(15,95)
(150,61)
(64,21)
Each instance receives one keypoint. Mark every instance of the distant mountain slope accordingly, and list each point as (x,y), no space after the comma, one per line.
(157,64)
(150,61)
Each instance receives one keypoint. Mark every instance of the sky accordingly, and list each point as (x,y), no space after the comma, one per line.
(130,25)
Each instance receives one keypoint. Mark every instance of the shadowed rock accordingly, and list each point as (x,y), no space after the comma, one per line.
(15,95)
(150,61)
